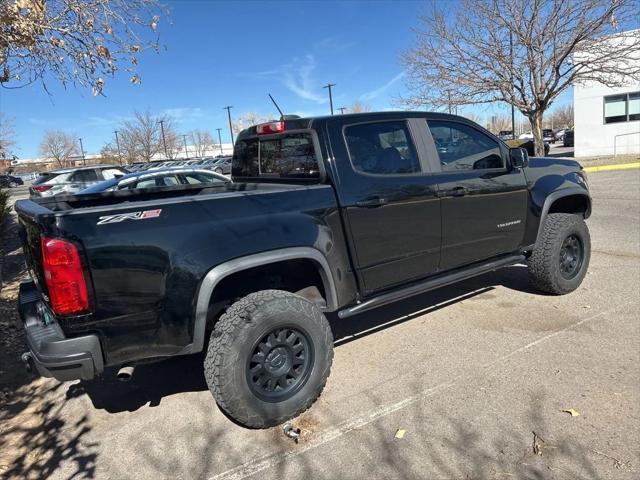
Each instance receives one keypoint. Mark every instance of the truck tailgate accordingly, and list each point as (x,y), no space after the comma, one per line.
(34,220)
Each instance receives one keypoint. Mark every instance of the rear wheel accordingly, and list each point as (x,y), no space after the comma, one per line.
(269,358)
(561,256)
(218,170)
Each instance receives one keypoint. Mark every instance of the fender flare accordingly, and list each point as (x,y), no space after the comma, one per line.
(558,194)
(219,272)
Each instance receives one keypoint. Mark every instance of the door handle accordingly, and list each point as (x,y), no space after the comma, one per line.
(454,192)
(373,203)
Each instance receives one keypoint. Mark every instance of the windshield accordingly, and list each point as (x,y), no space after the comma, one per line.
(290,155)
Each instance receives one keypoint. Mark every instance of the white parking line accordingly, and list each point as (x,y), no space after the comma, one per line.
(252,467)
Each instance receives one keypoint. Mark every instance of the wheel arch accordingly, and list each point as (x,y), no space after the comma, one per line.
(214,276)
(567,200)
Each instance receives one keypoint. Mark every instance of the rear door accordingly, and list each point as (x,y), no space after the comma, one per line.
(484,200)
(388,197)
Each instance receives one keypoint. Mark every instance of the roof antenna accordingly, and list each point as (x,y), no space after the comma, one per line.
(274,102)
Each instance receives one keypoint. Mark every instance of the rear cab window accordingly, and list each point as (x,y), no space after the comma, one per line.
(289,155)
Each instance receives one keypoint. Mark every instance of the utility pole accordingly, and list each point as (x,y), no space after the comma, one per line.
(228,109)
(513,112)
(449,96)
(186,155)
(118,145)
(164,142)
(220,141)
(342,109)
(84,163)
(329,85)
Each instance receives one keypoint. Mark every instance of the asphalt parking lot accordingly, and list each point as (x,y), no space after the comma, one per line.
(477,374)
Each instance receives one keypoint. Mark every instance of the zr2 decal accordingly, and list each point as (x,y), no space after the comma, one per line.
(121,217)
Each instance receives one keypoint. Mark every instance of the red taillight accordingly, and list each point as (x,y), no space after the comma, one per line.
(41,188)
(271,127)
(63,276)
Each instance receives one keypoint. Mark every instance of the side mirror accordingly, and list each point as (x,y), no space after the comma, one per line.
(519,157)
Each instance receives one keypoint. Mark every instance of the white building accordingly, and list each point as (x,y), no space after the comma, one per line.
(607,120)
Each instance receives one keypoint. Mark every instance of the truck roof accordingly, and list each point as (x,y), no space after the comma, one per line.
(292,122)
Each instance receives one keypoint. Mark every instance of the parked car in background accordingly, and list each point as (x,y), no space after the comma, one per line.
(222,165)
(72,180)
(525,136)
(9,181)
(169,177)
(567,140)
(506,135)
(548,135)
(560,134)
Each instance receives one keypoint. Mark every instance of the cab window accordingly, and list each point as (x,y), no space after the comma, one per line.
(382,148)
(461,147)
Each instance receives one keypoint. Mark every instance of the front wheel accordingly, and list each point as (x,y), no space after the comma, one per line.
(269,358)
(561,256)
(218,170)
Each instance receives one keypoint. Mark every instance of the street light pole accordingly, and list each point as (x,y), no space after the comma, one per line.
(329,85)
(84,163)
(342,109)
(186,154)
(220,141)
(228,109)
(164,142)
(118,145)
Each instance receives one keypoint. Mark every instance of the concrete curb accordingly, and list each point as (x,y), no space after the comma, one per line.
(618,166)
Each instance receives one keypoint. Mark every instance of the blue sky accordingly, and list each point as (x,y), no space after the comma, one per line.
(234,53)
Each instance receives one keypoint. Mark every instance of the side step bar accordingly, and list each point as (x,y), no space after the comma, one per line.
(431,284)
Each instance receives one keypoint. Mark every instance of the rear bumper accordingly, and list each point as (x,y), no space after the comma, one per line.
(50,352)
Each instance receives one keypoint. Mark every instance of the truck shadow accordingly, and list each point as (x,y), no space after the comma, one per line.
(154,381)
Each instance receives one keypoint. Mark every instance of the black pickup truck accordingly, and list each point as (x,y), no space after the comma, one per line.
(337,214)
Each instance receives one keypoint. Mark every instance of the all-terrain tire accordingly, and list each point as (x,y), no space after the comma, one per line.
(246,328)
(545,262)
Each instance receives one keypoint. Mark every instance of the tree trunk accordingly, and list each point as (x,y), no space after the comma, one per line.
(536,128)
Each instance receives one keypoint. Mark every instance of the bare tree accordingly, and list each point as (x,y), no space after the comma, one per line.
(129,147)
(109,154)
(249,119)
(171,139)
(474,117)
(58,146)
(358,107)
(498,123)
(141,138)
(7,135)
(74,41)
(562,116)
(202,141)
(466,53)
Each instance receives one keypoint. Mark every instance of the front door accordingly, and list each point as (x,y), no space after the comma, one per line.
(389,200)
(484,200)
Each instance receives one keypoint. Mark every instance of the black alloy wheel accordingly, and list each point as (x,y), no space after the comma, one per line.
(280,364)
(571,257)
